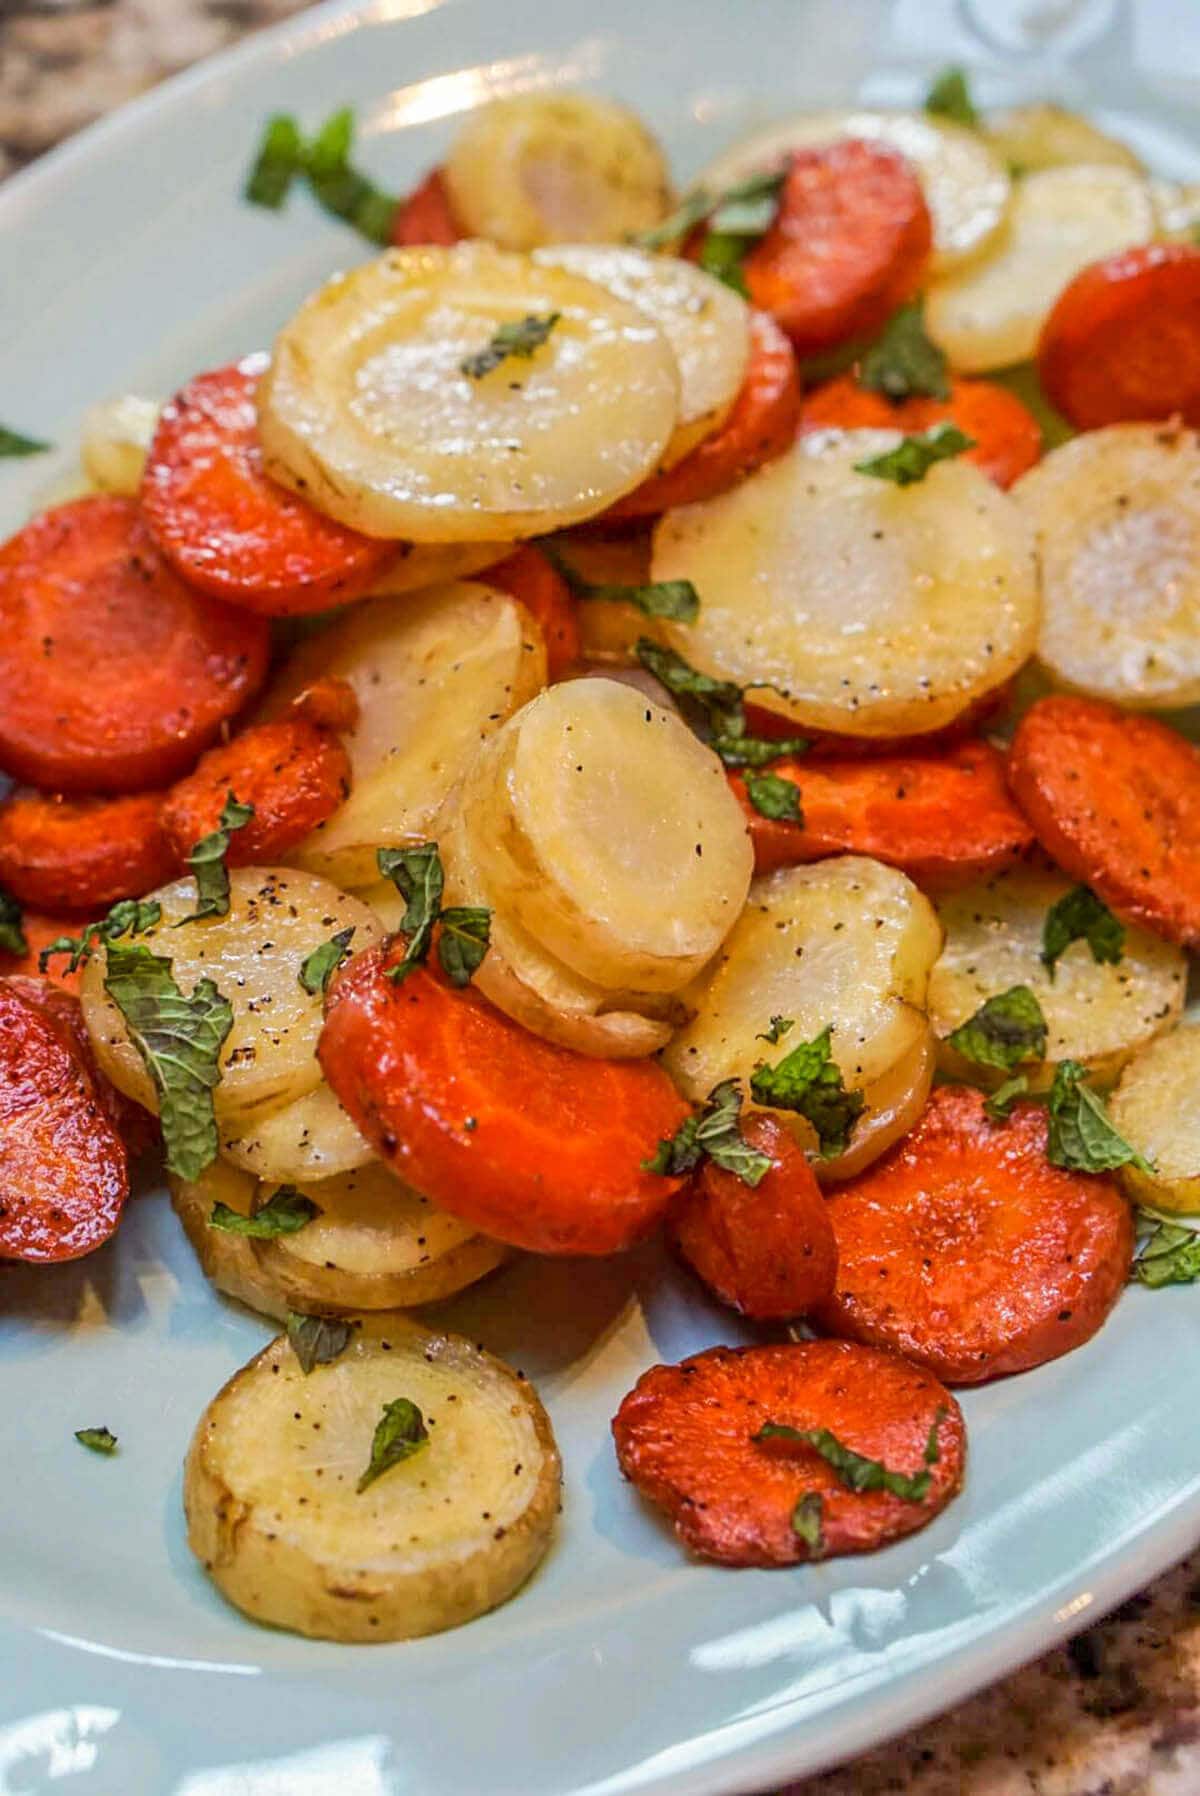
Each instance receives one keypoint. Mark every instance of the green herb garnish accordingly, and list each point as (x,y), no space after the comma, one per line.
(319,967)
(854,1470)
(463,940)
(715,709)
(340,189)
(913,456)
(97,1440)
(1081,1137)
(207,862)
(13,443)
(904,361)
(285,1212)
(279,161)
(775,797)
(1168,1252)
(677,599)
(12,920)
(807,1521)
(950,97)
(317,1340)
(712,1132)
(1080,916)
(518,339)
(999,1105)
(401,1433)
(131,916)
(809,1082)
(465,928)
(736,219)
(1004,1031)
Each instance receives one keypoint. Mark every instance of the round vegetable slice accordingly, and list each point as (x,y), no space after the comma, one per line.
(226,1258)
(872,609)
(113,674)
(1115,800)
(310,1138)
(685,1436)
(967,1251)
(135,1126)
(114,442)
(1045,136)
(426,216)
(82,853)
(1156,1109)
(1006,435)
(527,1142)
(293,773)
(393,404)
(280,1515)
(1117,516)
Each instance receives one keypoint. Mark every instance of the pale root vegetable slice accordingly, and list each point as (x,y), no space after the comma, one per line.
(614,838)
(1156,1106)
(274,1511)
(705,322)
(1044,136)
(433,677)
(1176,209)
(226,1258)
(844,944)
(872,609)
(277,917)
(990,313)
(114,442)
(1117,517)
(965,182)
(367,410)
(1098,1013)
(312,1138)
(555,168)
(891,1107)
(376,1245)
(421,565)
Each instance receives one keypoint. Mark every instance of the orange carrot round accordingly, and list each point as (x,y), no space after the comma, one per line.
(39,931)
(426,216)
(82,853)
(966,1250)
(1007,437)
(294,774)
(138,1129)
(529,578)
(685,1436)
(330,703)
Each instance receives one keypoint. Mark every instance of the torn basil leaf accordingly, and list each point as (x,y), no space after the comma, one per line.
(417,875)
(998,1106)
(1081,1136)
(520,339)
(401,1433)
(207,862)
(712,1132)
(775,797)
(677,599)
(913,456)
(808,1081)
(317,1340)
(905,362)
(807,1521)
(736,219)
(1005,1030)
(285,1212)
(1168,1253)
(319,967)
(950,97)
(854,1470)
(12,931)
(130,916)
(463,938)
(180,1040)
(690,212)
(279,161)
(1080,916)
(778,1029)
(714,709)
(340,189)
(97,1440)
(13,443)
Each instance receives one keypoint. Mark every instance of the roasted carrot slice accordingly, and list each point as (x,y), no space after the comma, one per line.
(1123,340)
(686,1437)
(137,1128)
(227,527)
(114,675)
(63,1171)
(849,244)
(426,216)
(39,931)
(827,745)
(529,1142)
(966,1250)
(1115,800)
(530,579)
(766,1250)
(940,819)
(82,853)
(1007,436)
(294,774)
(330,703)
(759,427)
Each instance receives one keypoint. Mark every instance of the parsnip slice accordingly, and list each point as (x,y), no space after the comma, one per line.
(433,676)
(277,917)
(990,313)
(556,168)
(705,322)
(966,183)
(227,1259)
(312,1138)
(421,565)
(1156,1106)
(367,412)
(115,440)
(872,609)
(1176,209)
(891,1107)
(1097,1013)
(1117,516)
(275,1517)
(1045,136)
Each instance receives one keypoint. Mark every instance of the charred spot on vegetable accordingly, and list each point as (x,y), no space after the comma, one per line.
(1080,916)
(776,798)
(809,1082)
(712,1132)
(854,1470)
(12,931)
(317,1340)
(913,456)
(1005,1030)
(207,862)
(1081,1136)
(400,1433)
(285,1212)
(520,338)
(904,361)
(319,967)
(97,1440)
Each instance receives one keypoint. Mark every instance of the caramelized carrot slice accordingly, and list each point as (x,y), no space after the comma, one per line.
(685,1436)
(426,216)
(330,703)
(1007,437)
(940,819)
(967,1251)
(766,1250)
(114,675)
(528,1142)
(1123,340)
(529,578)
(137,1128)
(39,931)
(294,774)
(827,745)
(1115,800)
(228,528)
(82,853)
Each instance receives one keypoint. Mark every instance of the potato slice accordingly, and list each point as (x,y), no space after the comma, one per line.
(610,834)
(312,1138)
(275,1517)
(872,609)
(1156,1106)
(367,413)
(420,565)
(966,183)
(433,677)
(1117,516)
(990,314)
(228,1260)
(376,1245)
(705,322)
(276,918)
(892,1105)
(846,943)
(1045,136)
(1099,1014)
(556,168)
(115,440)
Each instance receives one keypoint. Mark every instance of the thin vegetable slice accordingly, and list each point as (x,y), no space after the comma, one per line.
(1155,1108)
(83,853)
(293,774)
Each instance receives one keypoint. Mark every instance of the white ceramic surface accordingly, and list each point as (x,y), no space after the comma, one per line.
(126,260)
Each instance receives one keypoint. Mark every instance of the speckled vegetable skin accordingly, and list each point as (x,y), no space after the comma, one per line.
(965,1250)
(293,773)
(83,853)
(684,1436)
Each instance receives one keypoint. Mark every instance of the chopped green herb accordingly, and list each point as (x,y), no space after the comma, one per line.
(690,212)
(279,160)
(933,1452)
(677,599)
(207,861)
(855,1471)
(463,940)
(417,875)
(714,709)
(285,1212)
(809,1082)
(712,1131)
(131,916)
(518,339)
(1004,1031)
(913,456)
(401,1433)
(1080,916)
(723,256)
(999,1105)
(1081,1136)
(12,930)
(179,1039)
(318,969)
(780,1026)
(340,189)
(950,97)
(317,1340)
(1168,1253)
(775,797)
(904,361)
(97,1440)
(736,219)
(807,1521)
(13,443)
